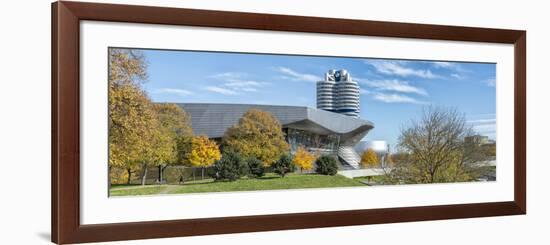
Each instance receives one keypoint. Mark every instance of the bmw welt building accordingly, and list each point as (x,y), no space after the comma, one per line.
(330,132)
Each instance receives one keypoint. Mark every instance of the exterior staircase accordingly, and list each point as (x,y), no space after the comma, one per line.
(349,156)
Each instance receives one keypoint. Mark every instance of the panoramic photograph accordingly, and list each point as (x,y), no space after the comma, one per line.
(202,121)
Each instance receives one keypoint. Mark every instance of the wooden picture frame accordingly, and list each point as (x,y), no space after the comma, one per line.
(66,226)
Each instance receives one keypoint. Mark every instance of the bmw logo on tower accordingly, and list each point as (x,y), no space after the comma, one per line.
(338,93)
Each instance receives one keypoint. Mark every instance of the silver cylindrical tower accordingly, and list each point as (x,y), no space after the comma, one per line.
(326,95)
(338,93)
(347,94)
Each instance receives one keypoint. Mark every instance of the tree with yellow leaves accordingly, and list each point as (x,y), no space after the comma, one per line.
(303,159)
(141,134)
(174,118)
(175,124)
(130,113)
(161,150)
(257,134)
(204,152)
(369,159)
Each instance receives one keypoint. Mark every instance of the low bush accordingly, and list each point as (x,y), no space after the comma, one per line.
(283,166)
(326,165)
(230,167)
(256,167)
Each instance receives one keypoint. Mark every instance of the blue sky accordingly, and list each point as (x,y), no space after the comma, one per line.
(392,91)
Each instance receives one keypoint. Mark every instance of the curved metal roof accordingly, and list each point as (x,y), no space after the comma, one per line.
(213,119)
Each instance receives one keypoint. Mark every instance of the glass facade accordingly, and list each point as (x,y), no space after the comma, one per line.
(323,144)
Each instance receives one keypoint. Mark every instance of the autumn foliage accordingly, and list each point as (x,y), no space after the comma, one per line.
(257,134)
(127,105)
(141,133)
(204,152)
(303,159)
(369,159)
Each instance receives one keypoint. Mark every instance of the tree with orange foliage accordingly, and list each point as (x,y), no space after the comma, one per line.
(369,159)
(303,159)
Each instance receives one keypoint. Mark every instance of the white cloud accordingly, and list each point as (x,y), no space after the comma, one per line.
(454,66)
(484,126)
(394,86)
(459,72)
(457,76)
(176,91)
(297,76)
(221,90)
(443,64)
(228,75)
(491,82)
(235,82)
(397,98)
(364,91)
(399,69)
(483,121)
(483,115)
(249,89)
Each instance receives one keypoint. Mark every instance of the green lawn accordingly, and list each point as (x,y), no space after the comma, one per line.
(268,182)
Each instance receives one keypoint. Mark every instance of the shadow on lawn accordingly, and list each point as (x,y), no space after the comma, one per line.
(228,181)
(268,177)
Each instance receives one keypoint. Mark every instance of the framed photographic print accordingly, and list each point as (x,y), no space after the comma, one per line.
(177,122)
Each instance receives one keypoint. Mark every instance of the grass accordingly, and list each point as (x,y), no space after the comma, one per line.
(137,189)
(268,182)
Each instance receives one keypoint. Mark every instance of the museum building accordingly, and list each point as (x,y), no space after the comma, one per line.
(334,128)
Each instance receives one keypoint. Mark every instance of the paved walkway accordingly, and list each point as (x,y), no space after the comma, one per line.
(353,173)
(131,187)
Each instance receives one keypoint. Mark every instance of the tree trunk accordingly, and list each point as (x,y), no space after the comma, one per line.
(160,174)
(193,173)
(129,176)
(182,175)
(202,170)
(164,168)
(144,177)
(109,181)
